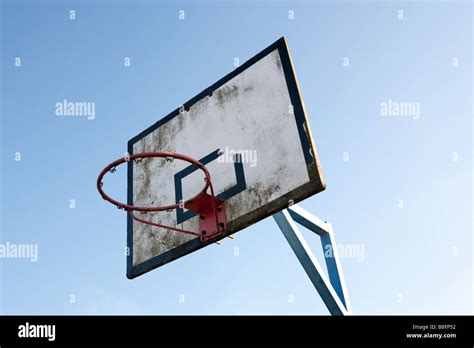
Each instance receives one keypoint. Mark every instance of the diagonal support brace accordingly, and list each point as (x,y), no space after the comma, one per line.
(333,291)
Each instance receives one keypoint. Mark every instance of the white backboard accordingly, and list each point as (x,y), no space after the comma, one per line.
(251,132)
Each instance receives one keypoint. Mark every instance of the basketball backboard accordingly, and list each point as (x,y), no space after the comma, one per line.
(251,132)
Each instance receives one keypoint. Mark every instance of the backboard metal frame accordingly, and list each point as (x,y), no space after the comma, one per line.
(315,185)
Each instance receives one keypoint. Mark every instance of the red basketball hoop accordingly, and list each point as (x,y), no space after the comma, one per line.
(211,211)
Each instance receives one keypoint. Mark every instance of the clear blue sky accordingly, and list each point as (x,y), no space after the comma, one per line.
(404,195)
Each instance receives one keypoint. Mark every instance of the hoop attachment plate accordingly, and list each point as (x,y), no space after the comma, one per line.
(204,205)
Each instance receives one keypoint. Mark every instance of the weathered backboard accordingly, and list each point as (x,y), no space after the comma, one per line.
(251,132)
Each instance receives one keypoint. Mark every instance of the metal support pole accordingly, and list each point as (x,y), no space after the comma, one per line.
(333,290)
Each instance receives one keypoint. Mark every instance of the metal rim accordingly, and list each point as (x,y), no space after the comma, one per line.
(111,168)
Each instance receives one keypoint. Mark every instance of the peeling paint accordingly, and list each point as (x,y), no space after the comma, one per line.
(224,93)
(278,62)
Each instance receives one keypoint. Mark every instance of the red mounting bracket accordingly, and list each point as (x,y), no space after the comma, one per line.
(212,218)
